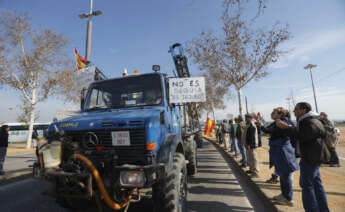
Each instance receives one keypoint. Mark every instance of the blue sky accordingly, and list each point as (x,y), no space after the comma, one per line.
(135,34)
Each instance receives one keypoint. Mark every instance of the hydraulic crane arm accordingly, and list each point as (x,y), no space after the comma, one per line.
(181,65)
(180,60)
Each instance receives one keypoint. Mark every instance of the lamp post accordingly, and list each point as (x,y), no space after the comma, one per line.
(89,28)
(310,66)
(288,100)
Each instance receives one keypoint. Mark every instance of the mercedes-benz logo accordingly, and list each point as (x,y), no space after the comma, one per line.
(91,139)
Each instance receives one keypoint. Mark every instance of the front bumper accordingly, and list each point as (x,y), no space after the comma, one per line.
(151,173)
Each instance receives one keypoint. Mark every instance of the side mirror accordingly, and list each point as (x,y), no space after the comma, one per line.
(82,98)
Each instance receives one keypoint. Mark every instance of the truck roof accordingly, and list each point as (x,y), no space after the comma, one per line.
(130,76)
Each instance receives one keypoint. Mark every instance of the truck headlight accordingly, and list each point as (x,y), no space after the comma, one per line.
(132,178)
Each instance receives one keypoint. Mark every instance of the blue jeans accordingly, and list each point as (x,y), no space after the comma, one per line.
(243,152)
(259,139)
(234,147)
(286,185)
(313,194)
(3,151)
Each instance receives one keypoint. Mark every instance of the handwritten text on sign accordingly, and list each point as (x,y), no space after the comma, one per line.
(190,89)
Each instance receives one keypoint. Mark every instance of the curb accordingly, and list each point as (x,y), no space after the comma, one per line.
(266,200)
(13,176)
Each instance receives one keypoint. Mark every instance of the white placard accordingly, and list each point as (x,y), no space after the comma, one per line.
(84,77)
(182,90)
(120,138)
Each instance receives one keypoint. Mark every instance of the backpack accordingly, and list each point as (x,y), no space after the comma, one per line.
(331,134)
(319,151)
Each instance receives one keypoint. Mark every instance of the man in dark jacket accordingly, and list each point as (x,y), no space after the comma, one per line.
(3,146)
(308,131)
(251,139)
(239,132)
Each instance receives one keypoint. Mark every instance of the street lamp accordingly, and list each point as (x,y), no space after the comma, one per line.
(89,28)
(310,66)
(288,100)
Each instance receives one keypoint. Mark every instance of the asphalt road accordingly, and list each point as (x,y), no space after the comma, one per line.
(214,188)
(19,161)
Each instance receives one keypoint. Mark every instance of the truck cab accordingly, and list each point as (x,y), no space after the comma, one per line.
(129,115)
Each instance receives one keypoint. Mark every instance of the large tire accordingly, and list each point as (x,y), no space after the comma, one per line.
(193,163)
(170,193)
(76,204)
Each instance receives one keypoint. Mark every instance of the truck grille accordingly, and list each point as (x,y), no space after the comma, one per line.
(136,153)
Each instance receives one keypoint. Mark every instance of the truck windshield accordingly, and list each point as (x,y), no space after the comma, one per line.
(125,92)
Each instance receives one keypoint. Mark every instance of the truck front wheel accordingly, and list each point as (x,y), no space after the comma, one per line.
(170,193)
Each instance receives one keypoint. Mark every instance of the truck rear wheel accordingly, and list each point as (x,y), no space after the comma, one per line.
(170,194)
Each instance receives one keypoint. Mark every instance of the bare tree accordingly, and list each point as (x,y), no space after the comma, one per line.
(237,5)
(25,109)
(240,55)
(33,63)
(214,96)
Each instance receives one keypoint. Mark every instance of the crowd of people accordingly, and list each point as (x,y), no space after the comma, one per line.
(312,138)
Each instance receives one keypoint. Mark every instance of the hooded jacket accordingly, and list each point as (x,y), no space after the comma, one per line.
(3,137)
(307,132)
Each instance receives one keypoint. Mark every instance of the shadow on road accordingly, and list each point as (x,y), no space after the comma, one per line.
(202,206)
(216,191)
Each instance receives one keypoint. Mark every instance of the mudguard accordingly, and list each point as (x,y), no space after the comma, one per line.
(172,143)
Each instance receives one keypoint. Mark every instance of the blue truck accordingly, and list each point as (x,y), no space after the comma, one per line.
(127,138)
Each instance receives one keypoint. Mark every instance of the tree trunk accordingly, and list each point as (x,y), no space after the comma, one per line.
(32,118)
(214,115)
(31,126)
(239,95)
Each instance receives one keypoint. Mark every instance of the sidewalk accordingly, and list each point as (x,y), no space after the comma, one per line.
(333,180)
(18,148)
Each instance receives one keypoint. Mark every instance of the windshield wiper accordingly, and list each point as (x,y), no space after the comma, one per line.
(98,108)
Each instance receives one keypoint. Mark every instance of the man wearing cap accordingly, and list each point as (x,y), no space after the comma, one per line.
(251,140)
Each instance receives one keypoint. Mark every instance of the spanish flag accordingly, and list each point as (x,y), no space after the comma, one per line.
(80,61)
(208,127)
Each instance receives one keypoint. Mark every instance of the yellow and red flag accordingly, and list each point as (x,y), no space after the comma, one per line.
(208,127)
(80,61)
